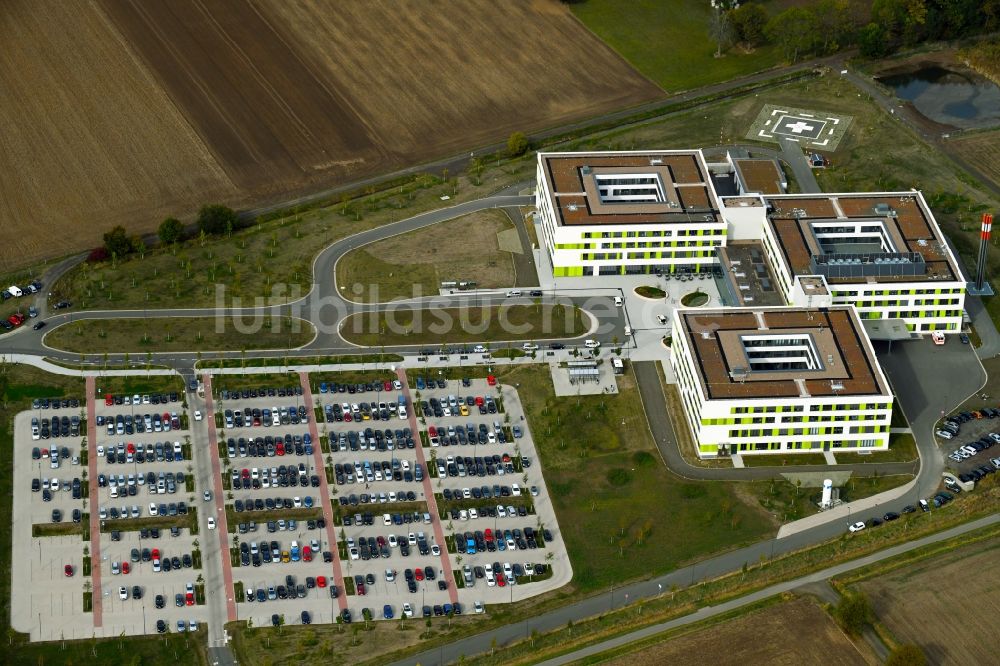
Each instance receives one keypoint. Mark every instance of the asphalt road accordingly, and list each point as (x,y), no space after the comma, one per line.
(648,378)
(779,588)
(325,306)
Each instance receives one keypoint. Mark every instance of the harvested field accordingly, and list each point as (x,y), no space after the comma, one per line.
(122,111)
(939,604)
(415,263)
(981,149)
(795,632)
(89,139)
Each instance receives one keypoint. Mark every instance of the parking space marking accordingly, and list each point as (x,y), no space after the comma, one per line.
(324,489)
(95,521)
(429,491)
(220,500)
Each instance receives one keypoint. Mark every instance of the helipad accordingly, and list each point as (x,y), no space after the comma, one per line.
(813,129)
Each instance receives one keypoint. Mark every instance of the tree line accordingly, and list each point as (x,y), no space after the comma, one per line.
(212,220)
(877,27)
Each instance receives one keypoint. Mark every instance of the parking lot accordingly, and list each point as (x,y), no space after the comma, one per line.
(973,451)
(380,500)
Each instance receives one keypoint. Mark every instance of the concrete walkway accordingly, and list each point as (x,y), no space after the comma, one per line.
(779,588)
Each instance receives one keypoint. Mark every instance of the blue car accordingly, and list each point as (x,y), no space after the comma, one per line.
(322,387)
(420,384)
(307,501)
(387,612)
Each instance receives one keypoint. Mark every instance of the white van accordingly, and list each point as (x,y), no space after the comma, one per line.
(591,344)
(618,301)
(513,293)
(16,292)
(628,331)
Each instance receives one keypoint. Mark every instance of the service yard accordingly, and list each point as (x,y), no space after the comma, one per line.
(945,604)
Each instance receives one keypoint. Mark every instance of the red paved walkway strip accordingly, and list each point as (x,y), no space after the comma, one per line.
(96,595)
(220,500)
(324,489)
(429,491)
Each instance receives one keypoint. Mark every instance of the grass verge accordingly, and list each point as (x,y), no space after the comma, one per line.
(277,362)
(465,325)
(138,336)
(410,265)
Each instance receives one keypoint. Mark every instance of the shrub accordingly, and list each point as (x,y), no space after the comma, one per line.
(170,231)
(517,144)
(217,219)
(98,254)
(619,476)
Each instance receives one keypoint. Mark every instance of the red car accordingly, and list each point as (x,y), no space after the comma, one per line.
(307,555)
(361,589)
(491,380)
(189,598)
(156,554)
(109,400)
(388,386)
(501,581)
(418,573)
(488,534)
(68,570)
(16,319)
(279,448)
(125,567)
(130,447)
(479,401)
(321,581)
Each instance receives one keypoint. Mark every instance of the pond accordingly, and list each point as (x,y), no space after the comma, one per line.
(957,97)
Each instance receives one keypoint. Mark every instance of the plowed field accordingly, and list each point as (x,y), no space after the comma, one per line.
(87,138)
(124,111)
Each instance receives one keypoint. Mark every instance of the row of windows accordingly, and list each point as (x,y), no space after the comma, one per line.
(758,420)
(897,292)
(824,407)
(787,446)
(711,242)
(781,432)
(911,314)
(616,256)
(657,233)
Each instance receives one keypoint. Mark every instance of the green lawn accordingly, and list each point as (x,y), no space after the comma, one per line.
(416,263)
(668,41)
(466,325)
(141,336)
(270,262)
(787,502)
(902,448)
(783,460)
(272,362)
(621,514)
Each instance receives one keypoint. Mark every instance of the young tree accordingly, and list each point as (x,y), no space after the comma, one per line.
(216,219)
(517,144)
(720,30)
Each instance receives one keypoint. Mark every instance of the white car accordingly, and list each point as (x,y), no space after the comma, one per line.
(197,415)
(407,610)
(153,510)
(513,293)
(123,593)
(211,523)
(943,434)
(528,347)
(478,607)
(591,344)
(856,527)
(479,349)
